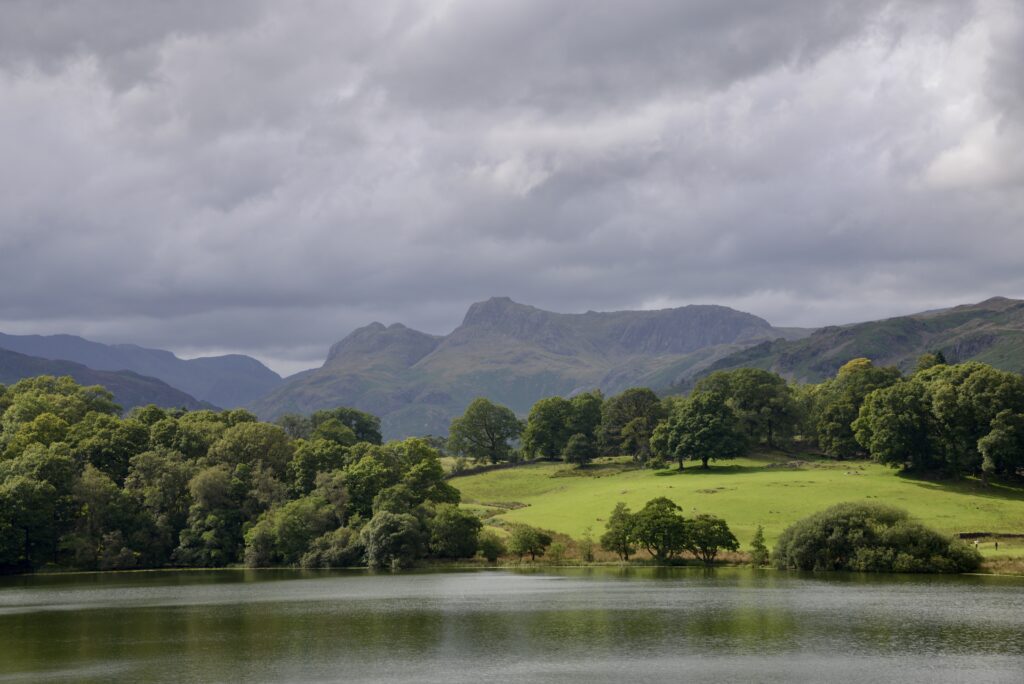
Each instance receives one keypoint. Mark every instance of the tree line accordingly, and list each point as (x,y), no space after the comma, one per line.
(858,536)
(942,419)
(660,529)
(83,487)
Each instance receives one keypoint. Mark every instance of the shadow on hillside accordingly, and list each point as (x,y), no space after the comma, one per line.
(1005,491)
(722,469)
(775,463)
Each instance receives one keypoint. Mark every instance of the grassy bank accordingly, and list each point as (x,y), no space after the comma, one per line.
(773,490)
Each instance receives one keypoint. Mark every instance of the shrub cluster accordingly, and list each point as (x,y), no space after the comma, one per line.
(662,531)
(870,538)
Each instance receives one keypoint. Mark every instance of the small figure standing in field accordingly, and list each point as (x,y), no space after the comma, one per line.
(997,545)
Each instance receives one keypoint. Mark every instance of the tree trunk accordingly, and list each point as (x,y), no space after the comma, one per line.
(704,463)
(680,461)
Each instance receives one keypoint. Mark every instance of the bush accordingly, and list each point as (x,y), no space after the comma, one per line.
(585,546)
(340,548)
(283,534)
(556,552)
(528,540)
(491,545)
(392,539)
(759,555)
(870,538)
(454,532)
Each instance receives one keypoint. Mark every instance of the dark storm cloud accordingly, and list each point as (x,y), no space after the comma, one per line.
(264,177)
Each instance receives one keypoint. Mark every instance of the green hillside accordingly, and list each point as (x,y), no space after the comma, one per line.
(991,331)
(768,490)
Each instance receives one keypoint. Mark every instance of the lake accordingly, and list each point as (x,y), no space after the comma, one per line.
(558,625)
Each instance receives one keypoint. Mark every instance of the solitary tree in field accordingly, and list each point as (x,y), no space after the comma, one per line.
(484,432)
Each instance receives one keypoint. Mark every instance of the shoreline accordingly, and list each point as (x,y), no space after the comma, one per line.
(532,565)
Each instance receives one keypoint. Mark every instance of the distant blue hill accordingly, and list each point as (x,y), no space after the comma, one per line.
(129,389)
(228,381)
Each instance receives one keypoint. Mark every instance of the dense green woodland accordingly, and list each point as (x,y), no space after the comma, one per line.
(941,420)
(85,488)
(82,486)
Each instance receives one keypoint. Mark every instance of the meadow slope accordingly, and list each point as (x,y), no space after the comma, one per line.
(768,490)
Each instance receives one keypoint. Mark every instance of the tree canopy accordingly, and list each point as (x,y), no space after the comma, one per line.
(485,431)
(870,538)
(83,487)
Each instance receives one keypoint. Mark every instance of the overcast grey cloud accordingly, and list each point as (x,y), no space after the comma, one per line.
(263,177)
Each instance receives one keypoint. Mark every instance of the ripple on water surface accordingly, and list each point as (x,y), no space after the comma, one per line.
(590,625)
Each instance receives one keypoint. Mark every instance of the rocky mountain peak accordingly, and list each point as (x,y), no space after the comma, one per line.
(395,343)
(497,311)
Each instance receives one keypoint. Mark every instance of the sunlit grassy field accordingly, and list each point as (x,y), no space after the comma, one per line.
(768,490)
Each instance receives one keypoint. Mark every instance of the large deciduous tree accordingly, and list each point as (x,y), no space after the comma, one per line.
(627,422)
(528,540)
(706,535)
(836,404)
(702,428)
(454,532)
(393,540)
(660,528)
(547,428)
(484,432)
(763,401)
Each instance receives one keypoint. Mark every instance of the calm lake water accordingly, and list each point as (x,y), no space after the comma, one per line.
(581,625)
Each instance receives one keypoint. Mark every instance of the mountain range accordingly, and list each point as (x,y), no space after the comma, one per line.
(129,389)
(991,331)
(226,381)
(515,354)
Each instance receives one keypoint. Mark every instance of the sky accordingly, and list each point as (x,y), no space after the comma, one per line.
(263,177)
